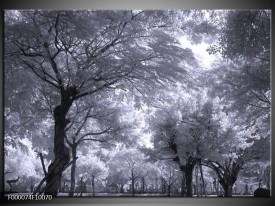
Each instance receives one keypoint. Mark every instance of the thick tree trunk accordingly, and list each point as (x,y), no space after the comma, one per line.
(62,158)
(73,168)
(61,151)
(188,170)
(227,183)
(227,190)
(188,179)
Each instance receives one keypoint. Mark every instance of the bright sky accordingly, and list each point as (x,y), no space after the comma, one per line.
(200,53)
(204,59)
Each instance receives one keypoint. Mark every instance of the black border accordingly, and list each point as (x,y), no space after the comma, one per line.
(136,4)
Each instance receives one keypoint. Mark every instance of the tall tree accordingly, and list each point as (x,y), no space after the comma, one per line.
(87,53)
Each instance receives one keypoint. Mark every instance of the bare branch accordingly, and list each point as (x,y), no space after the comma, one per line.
(92,139)
(96,90)
(83,122)
(44,78)
(8,172)
(81,139)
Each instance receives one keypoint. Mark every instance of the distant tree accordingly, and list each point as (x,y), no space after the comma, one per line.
(169,173)
(23,163)
(95,123)
(186,135)
(131,163)
(91,169)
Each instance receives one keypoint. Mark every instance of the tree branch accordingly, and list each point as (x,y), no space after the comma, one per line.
(8,172)
(44,78)
(81,139)
(96,90)
(43,164)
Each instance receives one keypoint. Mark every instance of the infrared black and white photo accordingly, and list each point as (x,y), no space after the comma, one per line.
(137,103)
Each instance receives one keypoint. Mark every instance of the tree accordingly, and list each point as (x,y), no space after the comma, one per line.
(116,178)
(87,53)
(132,162)
(169,173)
(91,169)
(95,123)
(244,34)
(234,156)
(243,82)
(241,79)
(185,135)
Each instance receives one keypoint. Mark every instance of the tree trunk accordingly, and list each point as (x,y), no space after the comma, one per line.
(202,179)
(10,182)
(168,190)
(64,186)
(93,185)
(227,190)
(196,188)
(61,151)
(163,186)
(133,184)
(81,186)
(73,168)
(188,179)
(183,184)
(32,185)
(143,185)
(121,190)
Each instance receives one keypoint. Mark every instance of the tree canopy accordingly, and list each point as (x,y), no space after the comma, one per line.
(103,102)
